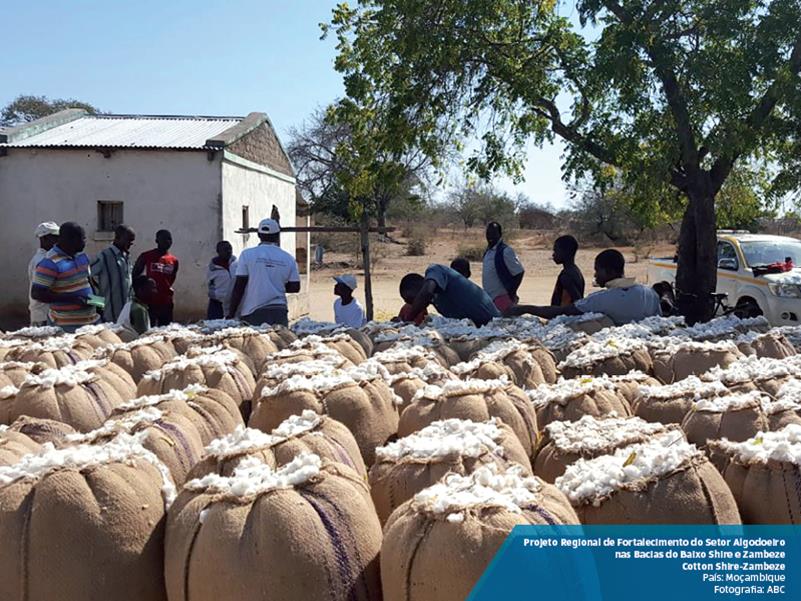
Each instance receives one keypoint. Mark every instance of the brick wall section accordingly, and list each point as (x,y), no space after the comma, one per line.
(261,146)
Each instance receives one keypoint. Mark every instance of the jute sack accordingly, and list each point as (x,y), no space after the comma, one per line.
(305,433)
(662,481)
(181,337)
(212,412)
(81,395)
(508,358)
(628,385)
(772,345)
(439,543)
(669,404)
(677,361)
(15,445)
(282,337)
(42,430)
(612,357)
(413,336)
(319,352)
(467,346)
(100,335)
(407,466)
(590,324)
(363,406)
(736,417)
(140,356)
(406,384)
(254,344)
(342,343)
(213,367)
(402,359)
(565,442)
(275,373)
(7,395)
(7,344)
(474,400)
(13,373)
(763,474)
(569,400)
(311,523)
(54,353)
(546,360)
(84,523)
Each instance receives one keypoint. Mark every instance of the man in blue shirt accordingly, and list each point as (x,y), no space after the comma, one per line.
(451,293)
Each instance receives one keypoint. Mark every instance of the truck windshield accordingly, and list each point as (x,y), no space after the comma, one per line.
(768,252)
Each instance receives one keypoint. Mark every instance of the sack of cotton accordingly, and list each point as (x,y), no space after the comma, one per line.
(362,404)
(15,445)
(42,430)
(52,352)
(404,358)
(571,399)
(610,356)
(763,474)
(474,400)
(757,373)
(215,367)
(736,417)
(181,337)
(212,412)
(255,345)
(35,333)
(99,335)
(771,345)
(679,359)
(342,343)
(439,543)
(139,356)
(13,373)
(664,480)
(509,358)
(275,373)
(81,395)
(588,323)
(84,522)
(304,433)
(316,352)
(414,336)
(407,466)
(307,530)
(628,385)
(407,384)
(565,442)
(670,403)
(8,344)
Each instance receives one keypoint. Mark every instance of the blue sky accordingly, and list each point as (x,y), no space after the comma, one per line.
(199,57)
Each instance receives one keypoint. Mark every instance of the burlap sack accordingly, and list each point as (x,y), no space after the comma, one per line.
(140,356)
(15,445)
(628,385)
(681,486)
(7,395)
(589,326)
(213,367)
(99,336)
(306,433)
(252,343)
(54,353)
(212,412)
(312,523)
(13,373)
(612,357)
(569,400)
(42,430)
(474,400)
(409,465)
(736,417)
(772,345)
(282,337)
(670,404)
(763,474)
(365,407)
(84,524)
(401,359)
(341,343)
(181,337)
(406,384)
(82,398)
(546,360)
(678,361)
(509,359)
(7,344)
(467,346)
(565,442)
(275,373)
(432,554)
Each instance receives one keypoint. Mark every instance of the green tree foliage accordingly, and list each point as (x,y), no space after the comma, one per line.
(477,205)
(663,96)
(24,109)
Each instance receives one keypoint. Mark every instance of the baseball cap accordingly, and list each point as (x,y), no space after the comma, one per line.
(269,226)
(47,228)
(347,280)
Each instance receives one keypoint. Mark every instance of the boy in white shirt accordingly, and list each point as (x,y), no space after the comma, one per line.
(347,310)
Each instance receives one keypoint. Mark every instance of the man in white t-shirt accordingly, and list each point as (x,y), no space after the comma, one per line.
(47,235)
(264,276)
(347,310)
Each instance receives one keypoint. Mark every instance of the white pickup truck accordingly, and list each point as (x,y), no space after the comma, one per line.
(761,275)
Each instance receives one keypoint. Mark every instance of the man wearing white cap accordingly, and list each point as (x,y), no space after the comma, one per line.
(47,233)
(347,310)
(264,275)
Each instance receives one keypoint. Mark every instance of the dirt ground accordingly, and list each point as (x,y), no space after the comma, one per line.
(534,250)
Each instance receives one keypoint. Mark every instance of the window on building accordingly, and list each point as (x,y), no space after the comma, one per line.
(245,217)
(274,214)
(109,215)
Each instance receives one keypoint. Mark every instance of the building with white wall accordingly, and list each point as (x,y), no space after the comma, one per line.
(202,178)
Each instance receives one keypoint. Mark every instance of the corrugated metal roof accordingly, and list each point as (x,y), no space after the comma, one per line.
(121,131)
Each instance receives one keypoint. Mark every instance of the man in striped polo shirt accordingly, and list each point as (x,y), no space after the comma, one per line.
(62,280)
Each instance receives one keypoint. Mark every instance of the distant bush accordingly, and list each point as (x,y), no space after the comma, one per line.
(416,246)
(472,252)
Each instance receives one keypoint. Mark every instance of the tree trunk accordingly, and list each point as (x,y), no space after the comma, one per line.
(368,283)
(696,276)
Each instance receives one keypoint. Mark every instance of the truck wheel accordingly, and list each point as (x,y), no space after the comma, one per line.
(747,308)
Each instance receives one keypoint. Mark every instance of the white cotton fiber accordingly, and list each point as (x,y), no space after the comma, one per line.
(214,357)
(591,435)
(599,350)
(37,332)
(296,425)
(592,480)
(69,375)
(242,440)
(306,325)
(187,394)
(8,392)
(691,387)
(318,383)
(566,390)
(783,445)
(283,371)
(446,438)
(453,388)
(731,402)
(112,427)
(253,478)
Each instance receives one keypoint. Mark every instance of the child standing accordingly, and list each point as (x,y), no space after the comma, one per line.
(135,317)
(220,280)
(347,310)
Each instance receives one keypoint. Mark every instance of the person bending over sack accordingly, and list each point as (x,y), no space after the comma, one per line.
(622,300)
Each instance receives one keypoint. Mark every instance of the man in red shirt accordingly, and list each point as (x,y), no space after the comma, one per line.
(162,267)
